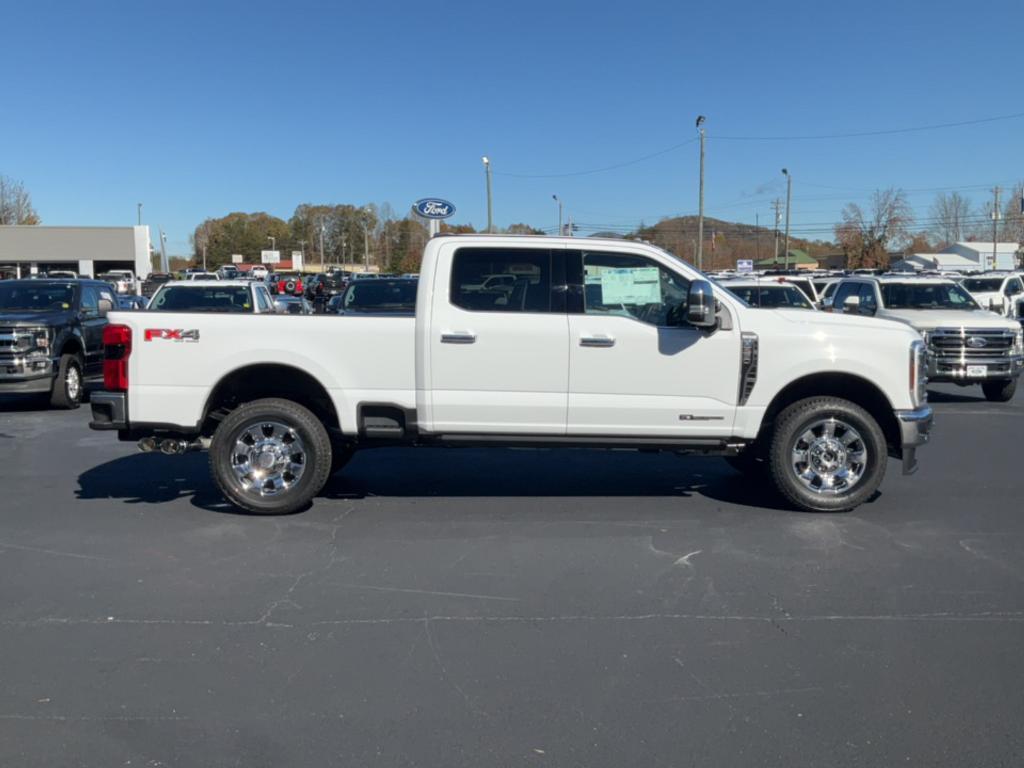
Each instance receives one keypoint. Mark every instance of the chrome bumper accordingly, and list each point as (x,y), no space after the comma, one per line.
(27,374)
(915,429)
(955,369)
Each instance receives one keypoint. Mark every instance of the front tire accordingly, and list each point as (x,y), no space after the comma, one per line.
(827,454)
(270,457)
(68,386)
(999,391)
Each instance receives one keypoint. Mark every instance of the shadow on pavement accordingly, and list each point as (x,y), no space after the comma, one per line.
(438,472)
(935,396)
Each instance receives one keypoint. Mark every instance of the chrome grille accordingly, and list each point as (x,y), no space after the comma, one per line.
(970,343)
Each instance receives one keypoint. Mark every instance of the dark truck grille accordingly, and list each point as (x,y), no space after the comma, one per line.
(11,338)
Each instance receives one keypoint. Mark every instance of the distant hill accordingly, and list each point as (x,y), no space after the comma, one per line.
(731,241)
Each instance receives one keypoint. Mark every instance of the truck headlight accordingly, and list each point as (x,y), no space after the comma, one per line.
(32,340)
(918,373)
(1018,342)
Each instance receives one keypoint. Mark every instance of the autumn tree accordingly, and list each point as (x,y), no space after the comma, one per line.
(866,236)
(950,214)
(244,233)
(15,203)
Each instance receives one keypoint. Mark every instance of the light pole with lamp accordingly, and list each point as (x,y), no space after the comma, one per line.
(557,200)
(490,211)
(700,201)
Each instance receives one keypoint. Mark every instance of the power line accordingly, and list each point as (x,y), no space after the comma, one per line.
(882,132)
(660,152)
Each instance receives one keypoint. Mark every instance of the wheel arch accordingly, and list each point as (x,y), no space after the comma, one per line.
(847,386)
(261,380)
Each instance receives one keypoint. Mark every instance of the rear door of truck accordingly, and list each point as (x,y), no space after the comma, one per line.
(498,341)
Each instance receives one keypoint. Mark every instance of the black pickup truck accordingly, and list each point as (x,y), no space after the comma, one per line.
(51,336)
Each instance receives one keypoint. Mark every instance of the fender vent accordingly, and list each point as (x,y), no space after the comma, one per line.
(748,366)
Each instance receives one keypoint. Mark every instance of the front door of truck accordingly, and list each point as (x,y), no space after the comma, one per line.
(634,370)
(498,342)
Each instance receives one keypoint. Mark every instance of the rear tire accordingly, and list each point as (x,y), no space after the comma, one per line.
(68,386)
(827,454)
(270,457)
(999,391)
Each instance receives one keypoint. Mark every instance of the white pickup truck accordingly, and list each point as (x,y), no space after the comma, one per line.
(592,343)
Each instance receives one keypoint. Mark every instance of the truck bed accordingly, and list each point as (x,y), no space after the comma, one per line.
(356,358)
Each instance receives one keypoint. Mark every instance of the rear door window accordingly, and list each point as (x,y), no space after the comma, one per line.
(502,280)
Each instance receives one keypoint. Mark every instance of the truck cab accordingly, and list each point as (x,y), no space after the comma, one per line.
(51,336)
(588,343)
(999,292)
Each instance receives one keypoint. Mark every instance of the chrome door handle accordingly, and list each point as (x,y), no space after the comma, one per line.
(597,341)
(458,337)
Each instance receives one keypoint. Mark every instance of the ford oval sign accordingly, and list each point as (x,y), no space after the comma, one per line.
(434,208)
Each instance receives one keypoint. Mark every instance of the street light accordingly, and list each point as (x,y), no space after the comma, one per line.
(555,198)
(700,210)
(487,172)
(789,196)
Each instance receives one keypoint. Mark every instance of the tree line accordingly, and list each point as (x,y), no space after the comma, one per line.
(370,235)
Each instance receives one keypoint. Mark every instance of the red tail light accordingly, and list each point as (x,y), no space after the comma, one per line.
(117,347)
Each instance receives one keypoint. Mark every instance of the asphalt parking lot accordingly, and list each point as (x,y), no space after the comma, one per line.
(509,607)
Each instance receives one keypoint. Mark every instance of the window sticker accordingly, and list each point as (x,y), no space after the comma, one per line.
(638,285)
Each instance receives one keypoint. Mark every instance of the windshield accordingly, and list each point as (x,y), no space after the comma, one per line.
(926,296)
(982,284)
(201,298)
(380,296)
(36,297)
(772,296)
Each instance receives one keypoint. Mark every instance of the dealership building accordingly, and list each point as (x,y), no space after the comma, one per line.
(31,250)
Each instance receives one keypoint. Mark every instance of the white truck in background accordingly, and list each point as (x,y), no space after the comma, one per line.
(591,343)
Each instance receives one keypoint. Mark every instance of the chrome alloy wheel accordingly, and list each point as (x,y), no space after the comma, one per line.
(73,383)
(268,458)
(829,457)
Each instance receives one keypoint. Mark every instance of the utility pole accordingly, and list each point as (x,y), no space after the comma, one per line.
(322,228)
(302,250)
(789,197)
(777,205)
(490,208)
(139,206)
(555,198)
(366,248)
(757,235)
(995,224)
(273,242)
(700,201)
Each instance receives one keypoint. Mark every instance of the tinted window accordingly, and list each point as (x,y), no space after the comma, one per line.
(501,280)
(36,296)
(983,284)
(772,296)
(867,297)
(90,301)
(926,296)
(263,300)
(187,298)
(632,286)
(1014,286)
(380,296)
(805,286)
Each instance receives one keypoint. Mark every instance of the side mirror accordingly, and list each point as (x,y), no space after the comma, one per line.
(700,305)
(851,305)
(105,305)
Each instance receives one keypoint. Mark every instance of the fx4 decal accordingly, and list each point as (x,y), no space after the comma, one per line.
(171,334)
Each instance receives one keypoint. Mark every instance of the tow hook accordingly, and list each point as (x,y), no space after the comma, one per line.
(169,446)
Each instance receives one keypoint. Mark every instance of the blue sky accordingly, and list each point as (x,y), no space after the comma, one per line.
(199,109)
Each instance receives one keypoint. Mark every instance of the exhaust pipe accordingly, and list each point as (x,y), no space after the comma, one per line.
(173,447)
(170,446)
